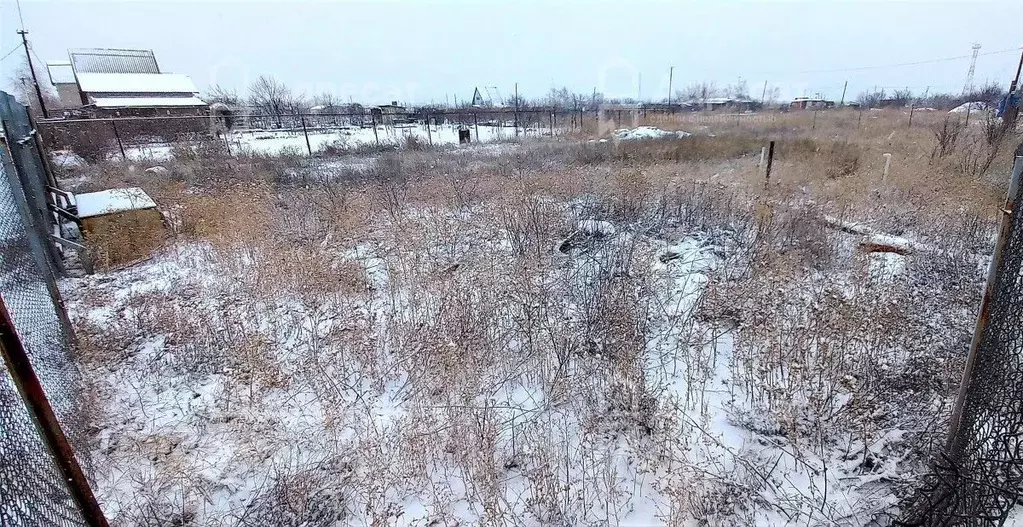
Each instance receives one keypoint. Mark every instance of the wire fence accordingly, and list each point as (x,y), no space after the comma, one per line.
(978,479)
(33,489)
(140,136)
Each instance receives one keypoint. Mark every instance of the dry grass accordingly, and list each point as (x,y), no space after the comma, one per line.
(436,283)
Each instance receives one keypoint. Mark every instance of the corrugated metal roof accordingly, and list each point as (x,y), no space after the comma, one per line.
(60,72)
(113,60)
(136,83)
(145,102)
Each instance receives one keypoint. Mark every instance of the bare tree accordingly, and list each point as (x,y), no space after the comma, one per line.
(328,101)
(698,91)
(270,97)
(21,78)
(739,90)
(218,93)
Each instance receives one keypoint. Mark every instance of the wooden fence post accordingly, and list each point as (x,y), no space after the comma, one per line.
(306,134)
(770,163)
(113,124)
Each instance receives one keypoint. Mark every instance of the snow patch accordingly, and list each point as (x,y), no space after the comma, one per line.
(647,132)
(974,106)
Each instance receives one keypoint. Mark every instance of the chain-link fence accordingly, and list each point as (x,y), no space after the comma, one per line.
(978,480)
(32,488)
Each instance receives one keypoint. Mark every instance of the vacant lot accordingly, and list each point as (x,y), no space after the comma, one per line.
(554,332)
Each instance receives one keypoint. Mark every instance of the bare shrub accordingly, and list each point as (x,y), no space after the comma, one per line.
(947,137)
(319,496)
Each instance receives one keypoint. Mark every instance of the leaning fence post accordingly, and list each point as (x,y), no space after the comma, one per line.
(1004,235)
(306,134)
(911,108)
(113,124)
(476,123)
(376,137)
(770,162)
(429,134)
(24,377)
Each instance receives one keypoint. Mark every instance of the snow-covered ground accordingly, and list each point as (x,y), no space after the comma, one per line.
(972,107)
(647,132)
(438,375)
(273,142)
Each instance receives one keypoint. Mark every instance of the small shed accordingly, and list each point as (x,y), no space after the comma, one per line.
(811,103)
(390,114)
(119,226)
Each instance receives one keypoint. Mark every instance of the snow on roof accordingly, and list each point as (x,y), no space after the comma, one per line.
(136,83)
(145,102)
(106,60)
(111,201)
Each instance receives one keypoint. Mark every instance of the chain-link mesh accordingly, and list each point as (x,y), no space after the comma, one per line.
(979,480)
(32,491)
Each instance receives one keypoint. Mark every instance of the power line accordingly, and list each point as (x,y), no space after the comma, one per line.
(9,53)
(20,17)
(902,64)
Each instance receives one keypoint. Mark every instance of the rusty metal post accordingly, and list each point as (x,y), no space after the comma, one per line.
(25,379)
(113,124)
(912,107)
(306,134)
(770,162)
(517,110)
(1004,235)
(373,116)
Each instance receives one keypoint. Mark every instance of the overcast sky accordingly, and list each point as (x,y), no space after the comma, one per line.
(423,51)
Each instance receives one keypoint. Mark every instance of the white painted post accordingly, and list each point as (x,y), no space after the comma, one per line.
(763,153)
(887,166)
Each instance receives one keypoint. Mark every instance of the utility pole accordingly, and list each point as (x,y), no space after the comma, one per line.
(28,57)
(844,87)
(1015,81)
(639,89)
(671,74)
(516,109)
(1012,104)
(973,67)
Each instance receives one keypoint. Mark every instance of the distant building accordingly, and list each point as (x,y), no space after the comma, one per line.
(718,103)
(122,82)
(811,103)
(390,114)
(62,77)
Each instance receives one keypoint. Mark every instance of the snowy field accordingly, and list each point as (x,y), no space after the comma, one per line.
(616,332)
(521,362)
(271,142)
